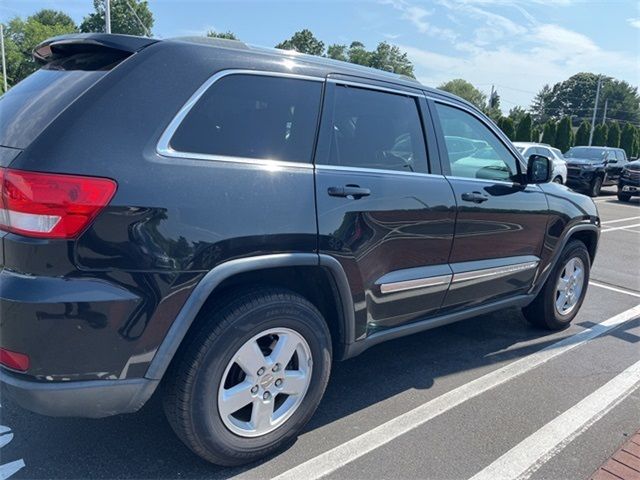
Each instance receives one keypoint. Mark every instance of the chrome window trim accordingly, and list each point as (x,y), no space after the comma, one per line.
(375,170)
(370,86)
(496,131)
(163,147)
(489,273)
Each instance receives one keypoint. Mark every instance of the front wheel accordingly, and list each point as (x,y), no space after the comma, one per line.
(563,293)
(558,179)
(624,197)
(596,186)
(250,379)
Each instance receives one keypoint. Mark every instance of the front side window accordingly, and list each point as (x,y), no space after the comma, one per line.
(372,129)
(473,150)
(253,116)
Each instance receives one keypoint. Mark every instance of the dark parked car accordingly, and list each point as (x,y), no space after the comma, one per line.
(220,222)
(629,181)
(589,168)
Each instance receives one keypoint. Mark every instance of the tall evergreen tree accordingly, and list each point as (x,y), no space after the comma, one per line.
(536,133)
(564,134)
(582,135)
(627,138)
(549,133)
(600,136)
(613,135)
(506,125)
(523,131)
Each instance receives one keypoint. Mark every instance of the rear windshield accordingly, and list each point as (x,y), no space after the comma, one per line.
(27,108)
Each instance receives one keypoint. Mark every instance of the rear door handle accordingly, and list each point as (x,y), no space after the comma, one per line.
(475,197)
(349,191)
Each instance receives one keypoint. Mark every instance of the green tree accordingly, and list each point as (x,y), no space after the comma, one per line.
(304,42)
(538,105)
(492,109)
(22,36)
(635,151)
(523,131)
(464,89)
(536,133)
(358,54)
(506,125)
(564,134)
(390,59)
(517,114)
(627,137)
(549,133)
(223,35)
(600,135)
(131,17)
(613,135)
(582,135)
(338,52)
(575,96)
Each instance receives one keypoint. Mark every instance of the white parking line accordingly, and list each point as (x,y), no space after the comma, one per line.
(355,448)
(619,228)
(616,204)
(529,455)
(619,220)
(615,289)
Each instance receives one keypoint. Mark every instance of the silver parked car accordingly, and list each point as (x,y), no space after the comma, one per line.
(559,162)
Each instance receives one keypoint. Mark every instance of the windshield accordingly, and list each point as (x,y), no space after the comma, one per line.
(557,152)
(594,154)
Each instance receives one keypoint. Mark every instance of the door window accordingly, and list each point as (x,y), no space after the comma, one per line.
(473,150)
(253,116)
(378,130)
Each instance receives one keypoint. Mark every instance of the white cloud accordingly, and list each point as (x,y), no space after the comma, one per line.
(634,22)
(417,16)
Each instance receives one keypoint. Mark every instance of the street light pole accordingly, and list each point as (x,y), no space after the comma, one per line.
(4,60)
(107,16)
(595,109)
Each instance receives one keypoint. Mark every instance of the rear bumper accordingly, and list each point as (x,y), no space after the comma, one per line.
(93,399)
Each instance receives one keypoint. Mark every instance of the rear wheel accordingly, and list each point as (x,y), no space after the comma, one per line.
(624,197)
(563,293)
(596,186)
(250,379)
(558,179)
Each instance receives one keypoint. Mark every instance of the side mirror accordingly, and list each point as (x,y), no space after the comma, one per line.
(539,169)
(611,160)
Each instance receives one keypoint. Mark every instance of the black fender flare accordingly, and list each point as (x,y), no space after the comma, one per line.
(217,275)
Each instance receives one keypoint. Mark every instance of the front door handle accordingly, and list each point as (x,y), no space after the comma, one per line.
(349,191)
(475,197)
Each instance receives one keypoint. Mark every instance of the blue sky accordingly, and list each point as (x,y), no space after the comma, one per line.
(517,45)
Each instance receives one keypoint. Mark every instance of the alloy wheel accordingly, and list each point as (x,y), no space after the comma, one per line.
(569,286)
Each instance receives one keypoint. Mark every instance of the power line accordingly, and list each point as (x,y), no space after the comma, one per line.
(144,27)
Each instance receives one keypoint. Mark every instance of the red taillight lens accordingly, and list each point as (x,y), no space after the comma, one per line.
(50,205)
(14,360)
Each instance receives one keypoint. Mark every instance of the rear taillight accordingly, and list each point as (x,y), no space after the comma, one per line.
(14,360)
(50,205)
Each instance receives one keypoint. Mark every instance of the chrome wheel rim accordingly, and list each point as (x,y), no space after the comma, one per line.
(265,382)
(569,287)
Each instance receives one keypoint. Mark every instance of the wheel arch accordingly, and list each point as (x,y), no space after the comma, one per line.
(283,270)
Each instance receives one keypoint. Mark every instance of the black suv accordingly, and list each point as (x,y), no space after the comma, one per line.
(219,222)
(591,168)
(629,181)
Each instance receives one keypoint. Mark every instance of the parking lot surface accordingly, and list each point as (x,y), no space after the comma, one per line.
(488,398)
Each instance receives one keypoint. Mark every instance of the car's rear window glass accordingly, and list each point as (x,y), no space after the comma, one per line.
(28,107)
(253,116)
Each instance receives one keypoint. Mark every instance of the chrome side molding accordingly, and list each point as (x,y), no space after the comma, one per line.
(417,283)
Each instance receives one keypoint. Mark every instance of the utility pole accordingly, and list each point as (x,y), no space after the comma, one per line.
(595,109)
(606,104)
(107,16)
(4,60)
(491,98)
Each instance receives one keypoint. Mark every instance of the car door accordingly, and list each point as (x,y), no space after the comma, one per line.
(613,167)
(383,212)
(501,223)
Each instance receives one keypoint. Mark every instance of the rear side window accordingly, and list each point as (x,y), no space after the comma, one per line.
(27,108)
(378,130)
(253,116)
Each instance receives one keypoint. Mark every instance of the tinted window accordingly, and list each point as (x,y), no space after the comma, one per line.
(620,155)
(253,116)
(474,151)
(372,129)
(545,152)
(587,153)
(27,108)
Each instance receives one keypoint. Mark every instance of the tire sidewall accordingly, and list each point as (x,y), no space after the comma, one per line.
(574,249)
(299,317)
(596,186)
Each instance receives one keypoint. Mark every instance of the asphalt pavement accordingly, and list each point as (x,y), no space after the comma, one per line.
(489,397)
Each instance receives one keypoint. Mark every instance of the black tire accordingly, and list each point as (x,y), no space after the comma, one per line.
(596,186)
(191,408)
(558,179)
(542,311)
(624,197)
